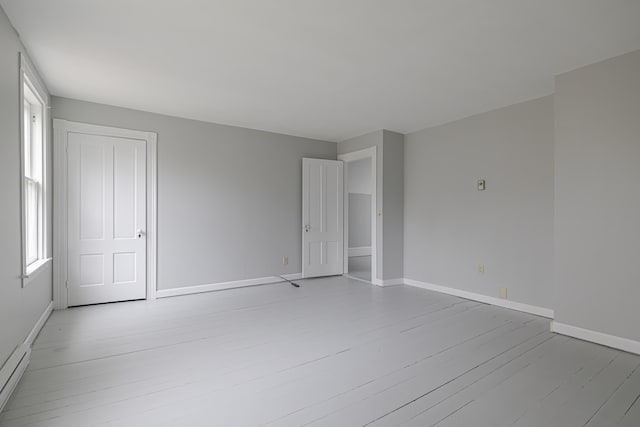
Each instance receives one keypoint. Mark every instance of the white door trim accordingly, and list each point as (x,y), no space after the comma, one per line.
(61,128)
(367,153)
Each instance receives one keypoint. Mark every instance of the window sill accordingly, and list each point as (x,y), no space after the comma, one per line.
(34,270)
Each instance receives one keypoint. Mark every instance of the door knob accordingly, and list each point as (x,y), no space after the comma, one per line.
(307,228)
(140,233)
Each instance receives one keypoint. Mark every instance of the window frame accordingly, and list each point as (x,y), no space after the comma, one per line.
(28,78)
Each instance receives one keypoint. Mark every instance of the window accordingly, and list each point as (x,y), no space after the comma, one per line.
(33,105)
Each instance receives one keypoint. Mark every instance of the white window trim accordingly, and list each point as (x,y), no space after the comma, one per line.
(29,272)
(61,130)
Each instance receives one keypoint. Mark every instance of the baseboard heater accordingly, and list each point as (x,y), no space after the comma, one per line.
(12,371)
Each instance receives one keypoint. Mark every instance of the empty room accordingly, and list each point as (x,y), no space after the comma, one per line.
(323,213)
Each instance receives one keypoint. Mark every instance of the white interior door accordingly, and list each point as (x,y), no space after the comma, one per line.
(322,218)
(106,214)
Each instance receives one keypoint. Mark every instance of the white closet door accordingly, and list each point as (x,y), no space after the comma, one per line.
(322,218)
(106,219)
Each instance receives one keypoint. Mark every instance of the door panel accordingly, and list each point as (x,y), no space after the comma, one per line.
(90,183)
(124,191)
(124,267)
(106,185)
(322,218)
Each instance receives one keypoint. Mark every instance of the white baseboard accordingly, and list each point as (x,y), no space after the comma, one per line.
(378,282)
(164,293)
(388,282)
(612,341)
(360,251)
(17,363)
(39,324)
(513,305)
(357,278)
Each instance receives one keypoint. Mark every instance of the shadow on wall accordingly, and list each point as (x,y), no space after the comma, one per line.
(359,220)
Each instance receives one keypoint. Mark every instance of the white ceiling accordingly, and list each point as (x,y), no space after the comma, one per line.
(327,69)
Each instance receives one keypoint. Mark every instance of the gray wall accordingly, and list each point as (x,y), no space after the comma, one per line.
(20,307)
(359,220)
(360,189)
(450,227)
(229,199)
(393,206)
(359,177)
(597,205)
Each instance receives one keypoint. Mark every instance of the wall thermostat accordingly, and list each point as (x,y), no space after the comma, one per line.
(481,185)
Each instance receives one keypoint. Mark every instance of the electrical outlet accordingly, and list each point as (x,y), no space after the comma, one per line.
(503,293)
(285,260)
(481,268)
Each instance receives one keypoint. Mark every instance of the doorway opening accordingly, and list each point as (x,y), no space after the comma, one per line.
(360,229)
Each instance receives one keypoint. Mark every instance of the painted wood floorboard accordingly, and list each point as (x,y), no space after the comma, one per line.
(334,352)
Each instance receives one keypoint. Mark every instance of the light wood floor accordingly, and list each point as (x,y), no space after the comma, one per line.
(333,352)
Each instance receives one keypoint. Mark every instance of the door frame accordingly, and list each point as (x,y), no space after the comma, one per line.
(367,153)
(61,129)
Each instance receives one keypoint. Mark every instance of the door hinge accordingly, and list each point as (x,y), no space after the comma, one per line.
(66,284)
